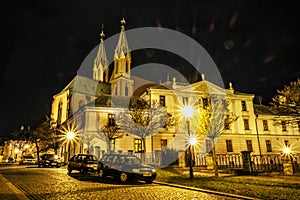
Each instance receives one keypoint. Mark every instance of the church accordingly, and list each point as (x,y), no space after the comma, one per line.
(84,107)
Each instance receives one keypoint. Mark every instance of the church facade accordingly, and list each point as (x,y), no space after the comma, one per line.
(85,104)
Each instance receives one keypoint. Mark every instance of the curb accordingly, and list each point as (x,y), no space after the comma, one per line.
(206,191)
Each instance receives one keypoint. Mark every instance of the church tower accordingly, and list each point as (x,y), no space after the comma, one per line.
(101,70)
(121,82)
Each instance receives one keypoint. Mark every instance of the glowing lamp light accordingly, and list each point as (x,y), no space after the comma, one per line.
(187,111)
(193,141)
(286,150)
(70,135)
(16,150)
(26,146)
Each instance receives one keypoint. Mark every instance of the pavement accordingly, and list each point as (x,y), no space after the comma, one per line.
(9,191)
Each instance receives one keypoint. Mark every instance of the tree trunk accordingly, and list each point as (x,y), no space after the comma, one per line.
(215,159)
(143,149)
(37,152)
(109,146)
(144,144)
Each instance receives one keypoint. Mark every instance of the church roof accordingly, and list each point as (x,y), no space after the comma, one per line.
(88,86)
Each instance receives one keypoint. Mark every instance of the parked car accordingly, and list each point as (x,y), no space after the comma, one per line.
(10,160)
(28,160)
(125,167)
(83,163)
(50,160)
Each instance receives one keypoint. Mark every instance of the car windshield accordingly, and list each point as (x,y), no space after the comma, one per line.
(130,160)
(28,157)
(50,156)
(90,158)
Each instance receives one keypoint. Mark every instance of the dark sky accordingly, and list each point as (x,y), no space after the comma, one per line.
(255,44)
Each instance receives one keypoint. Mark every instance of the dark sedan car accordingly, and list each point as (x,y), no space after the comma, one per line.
(125,167)
(83,163)
(50,160)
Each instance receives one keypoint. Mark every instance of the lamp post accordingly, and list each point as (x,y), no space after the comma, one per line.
(257,135)
(187,112)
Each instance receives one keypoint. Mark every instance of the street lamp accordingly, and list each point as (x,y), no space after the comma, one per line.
(257,135)
(287,150)
(187,112)
(70,138)
(69,135)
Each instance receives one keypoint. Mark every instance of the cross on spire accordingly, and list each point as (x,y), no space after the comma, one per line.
(102,35)
(123,22)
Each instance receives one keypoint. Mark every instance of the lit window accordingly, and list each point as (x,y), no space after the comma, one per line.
(162,100)
(244,107)
(268,145)
(138,146)
(265,124)
(286,143)
(59,114)
(111,120)
(112,144)
(246,124)
(283,125)
(249,145)
(163,143)
(229,145)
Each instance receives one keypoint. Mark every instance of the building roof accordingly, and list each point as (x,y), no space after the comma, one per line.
(88,86)
(263,110)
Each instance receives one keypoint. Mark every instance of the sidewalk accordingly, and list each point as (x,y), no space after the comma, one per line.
(9,191)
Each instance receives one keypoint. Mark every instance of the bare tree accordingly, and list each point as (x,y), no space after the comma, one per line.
(142,122)
(211,122)
(110,133)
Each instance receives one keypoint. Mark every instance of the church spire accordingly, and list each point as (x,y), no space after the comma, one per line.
(122,47)
(101,62)
(121,83)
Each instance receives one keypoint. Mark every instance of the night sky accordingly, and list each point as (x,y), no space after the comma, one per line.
(255,44)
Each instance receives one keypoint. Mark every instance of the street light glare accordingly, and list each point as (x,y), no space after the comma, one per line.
(70,135)
(187,111)
(286,150)
(193,141)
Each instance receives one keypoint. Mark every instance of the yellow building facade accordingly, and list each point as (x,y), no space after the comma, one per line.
(87,104)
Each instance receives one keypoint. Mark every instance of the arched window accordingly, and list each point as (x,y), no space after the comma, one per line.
(59,113)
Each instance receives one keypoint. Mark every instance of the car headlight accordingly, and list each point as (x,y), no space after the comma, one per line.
(135,170)
(47,161)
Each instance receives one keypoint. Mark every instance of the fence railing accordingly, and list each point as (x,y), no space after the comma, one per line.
(229,161)
(264,163)
(267,163)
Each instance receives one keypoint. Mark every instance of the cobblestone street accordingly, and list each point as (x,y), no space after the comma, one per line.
(56,183)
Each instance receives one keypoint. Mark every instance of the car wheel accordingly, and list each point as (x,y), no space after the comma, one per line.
(149,181)
(82,171)
(101,173)
(70,169)
(123,177)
